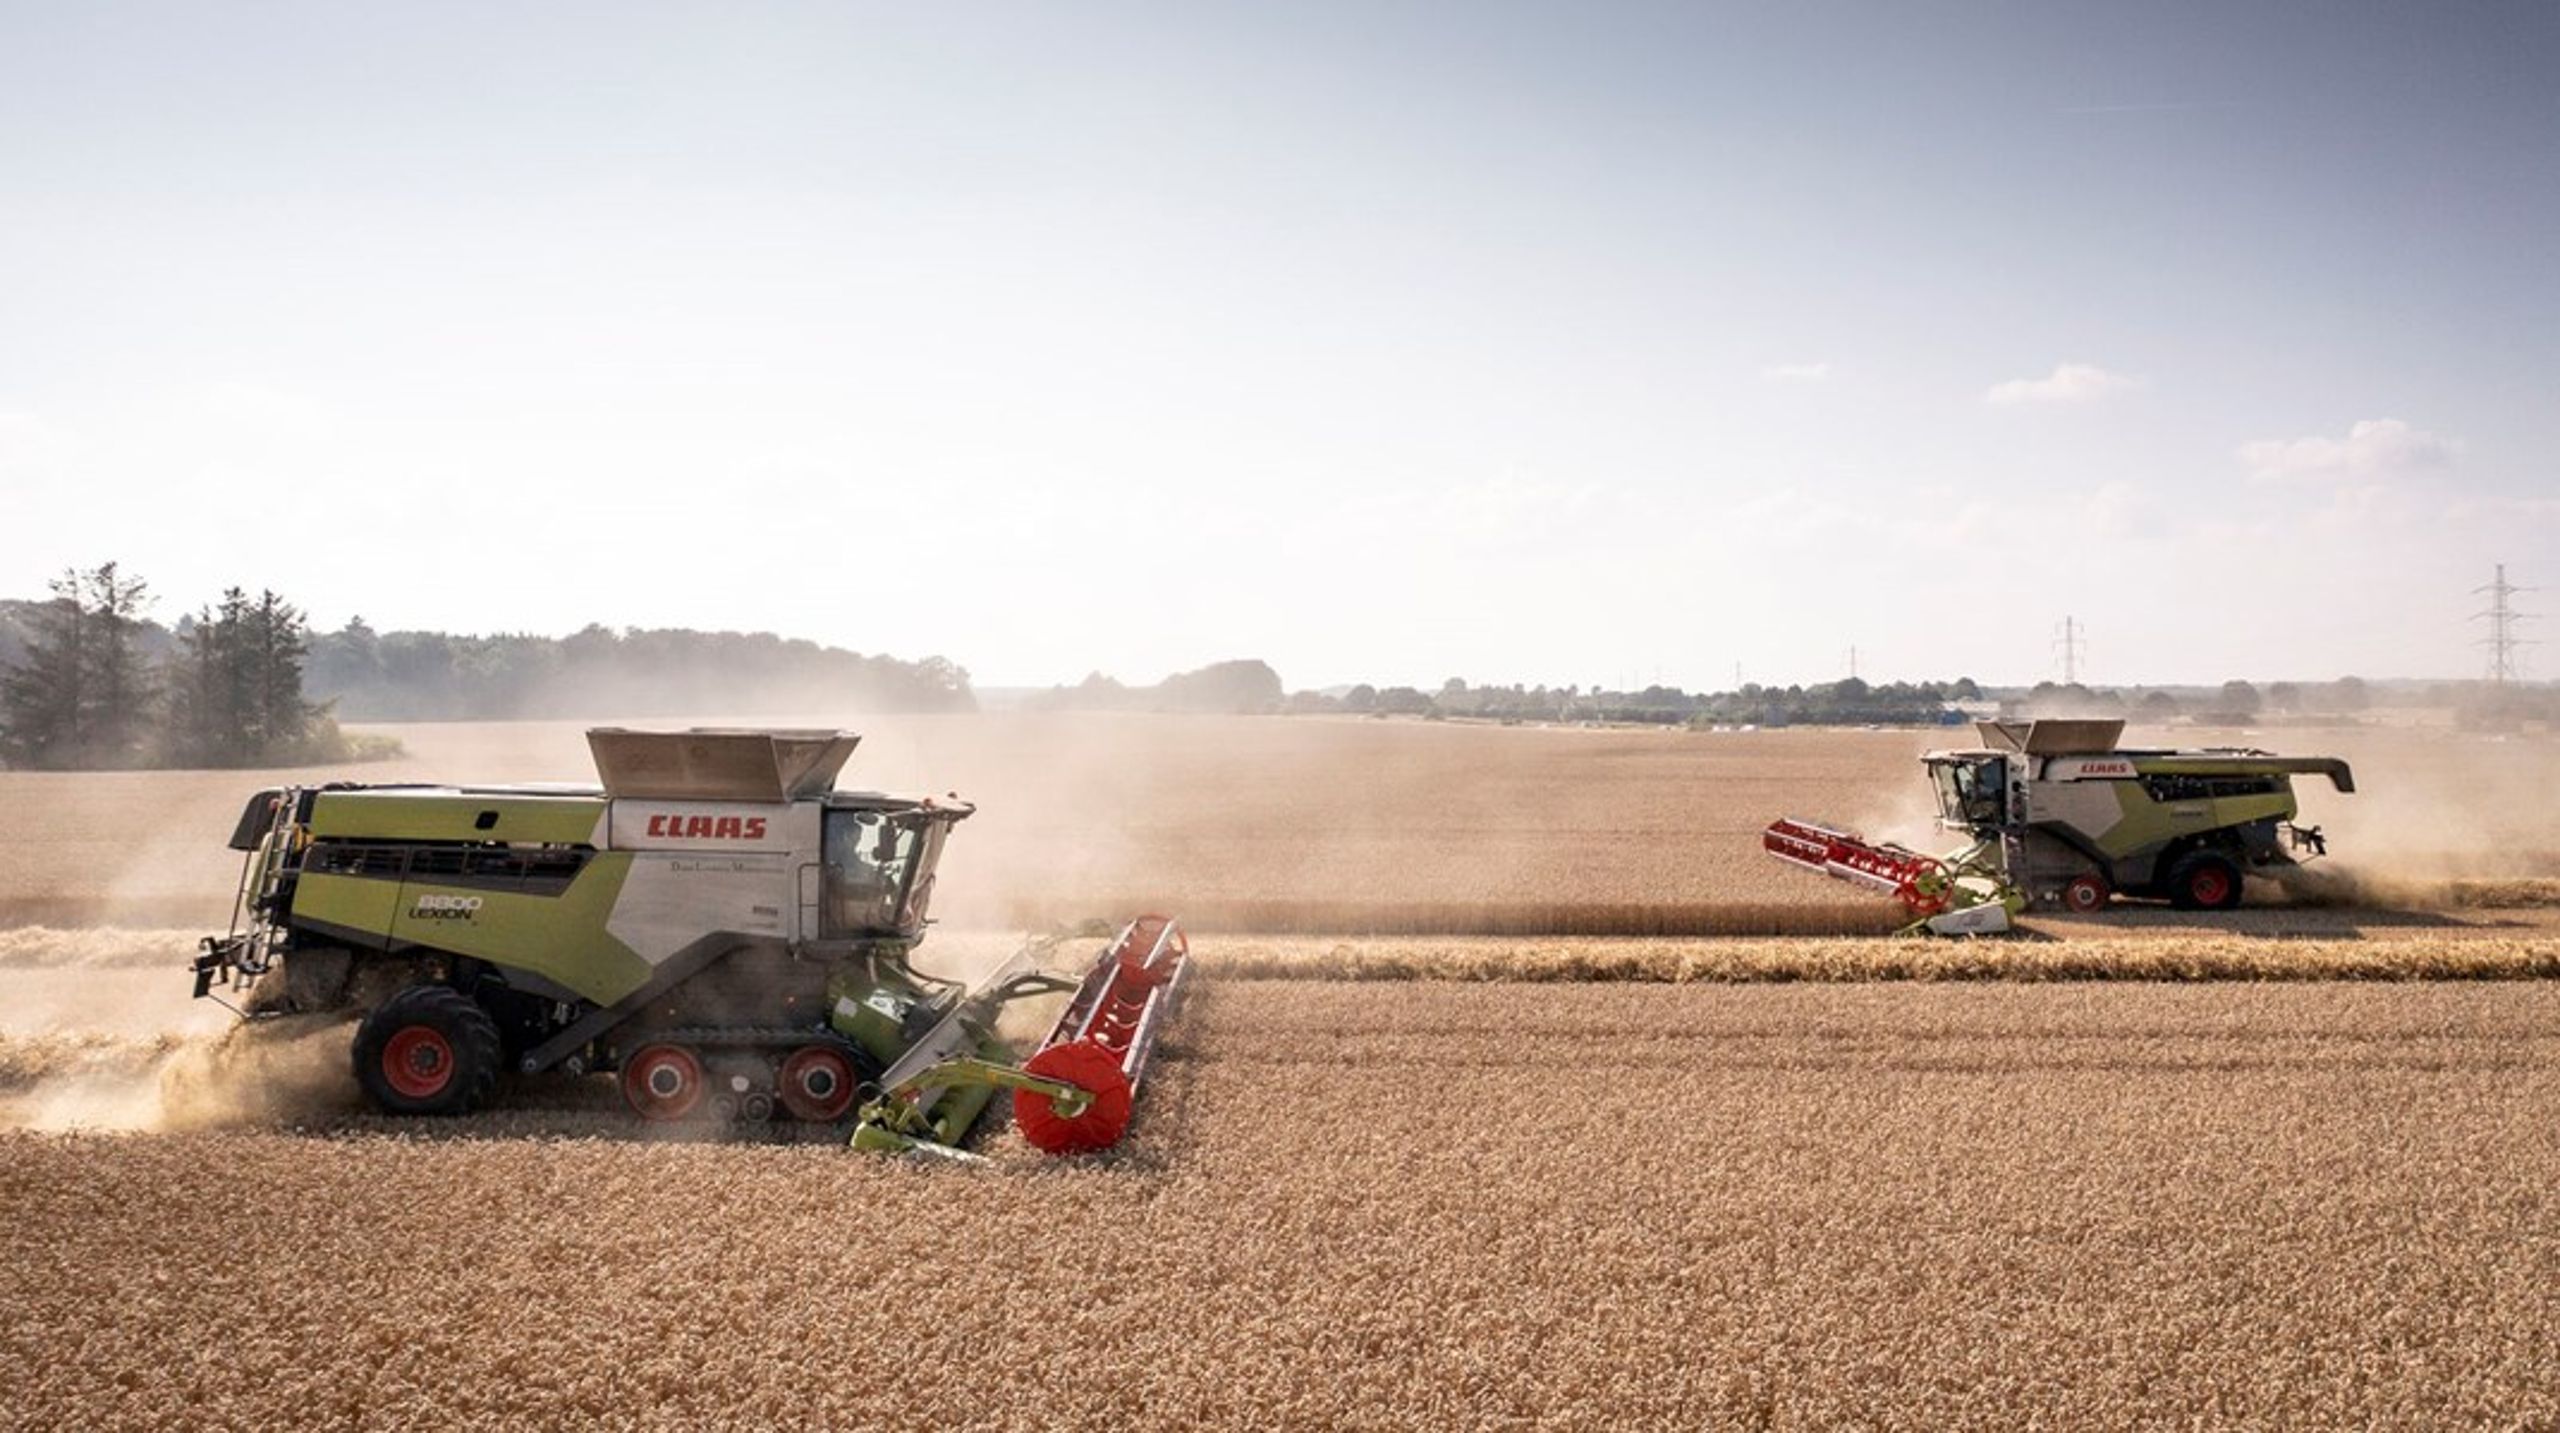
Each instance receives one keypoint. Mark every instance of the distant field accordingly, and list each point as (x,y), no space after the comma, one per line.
(1342,825)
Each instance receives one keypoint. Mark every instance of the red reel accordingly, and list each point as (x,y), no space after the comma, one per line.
(1088,1067)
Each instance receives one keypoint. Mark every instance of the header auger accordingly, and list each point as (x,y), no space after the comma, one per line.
(2062,818)
(714,923)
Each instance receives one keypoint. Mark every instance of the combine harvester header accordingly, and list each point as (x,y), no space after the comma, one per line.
(714,923)
(2062,817)
(1084,1077)
(1941,899)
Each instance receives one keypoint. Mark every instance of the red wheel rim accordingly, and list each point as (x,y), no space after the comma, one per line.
(2084,894)
(817,1084)
(417,1062)
(2209,886)
(663,1082)
(1088,1067)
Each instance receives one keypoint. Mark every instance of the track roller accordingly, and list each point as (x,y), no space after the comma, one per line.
(818,1084)
(663,1082)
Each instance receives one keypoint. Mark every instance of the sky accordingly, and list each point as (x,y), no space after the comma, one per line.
(1568,343)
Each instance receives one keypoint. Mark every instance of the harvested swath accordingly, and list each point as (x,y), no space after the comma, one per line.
(95,948)
(1561,1207)
(27,1061)
(2515,894)
(1564,918)
(2165,955)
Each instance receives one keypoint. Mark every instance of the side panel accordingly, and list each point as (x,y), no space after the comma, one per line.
(2148,825)
(2092,809)
(672,899)
(2121,821)
(355,905)
(562,938)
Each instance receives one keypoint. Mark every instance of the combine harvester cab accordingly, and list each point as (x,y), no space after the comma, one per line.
(2063,818)
(713,922)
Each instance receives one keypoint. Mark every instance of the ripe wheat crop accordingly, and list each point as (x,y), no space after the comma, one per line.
(1548,1206)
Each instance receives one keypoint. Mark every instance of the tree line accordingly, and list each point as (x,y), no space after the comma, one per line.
(97,685)
(1849,702)
(1240,688)
(89,680)
(1253,688)
(601,672)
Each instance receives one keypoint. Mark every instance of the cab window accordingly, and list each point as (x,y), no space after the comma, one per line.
(869,857)
(1970,792)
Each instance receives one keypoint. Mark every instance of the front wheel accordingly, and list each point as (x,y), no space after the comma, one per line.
(428,1050)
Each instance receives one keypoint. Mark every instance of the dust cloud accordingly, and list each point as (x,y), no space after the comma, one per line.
(1346,825)
(98,1031)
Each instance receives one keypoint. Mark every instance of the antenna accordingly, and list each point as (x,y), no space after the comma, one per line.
(1853,661)
(2505,647)
(2072,643)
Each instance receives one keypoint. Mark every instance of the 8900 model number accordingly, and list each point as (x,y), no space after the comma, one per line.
(444,908)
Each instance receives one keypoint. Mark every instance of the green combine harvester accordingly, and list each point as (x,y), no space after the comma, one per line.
(2061,818)
(714,923)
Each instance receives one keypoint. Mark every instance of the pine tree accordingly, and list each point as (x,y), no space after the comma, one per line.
(120,690)
(41,696)
(82,697)
(279,639)
(237,690)
(210,692)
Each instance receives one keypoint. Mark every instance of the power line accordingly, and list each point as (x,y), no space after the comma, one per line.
(2505,647)
(2072,643)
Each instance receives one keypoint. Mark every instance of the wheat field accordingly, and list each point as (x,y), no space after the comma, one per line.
(1518,1090)
(1467,1205)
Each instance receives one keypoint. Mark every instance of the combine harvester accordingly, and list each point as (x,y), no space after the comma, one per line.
(714,922)
(2062,818)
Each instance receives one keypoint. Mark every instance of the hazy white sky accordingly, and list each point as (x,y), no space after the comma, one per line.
(1565,343)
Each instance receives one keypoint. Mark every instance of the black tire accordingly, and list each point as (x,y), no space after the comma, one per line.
(428,1051)
(2204,881)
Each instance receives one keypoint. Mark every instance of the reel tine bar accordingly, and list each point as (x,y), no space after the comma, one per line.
(1122,1002)
(1851,857)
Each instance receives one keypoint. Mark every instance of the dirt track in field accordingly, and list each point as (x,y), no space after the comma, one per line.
(1480,1205)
